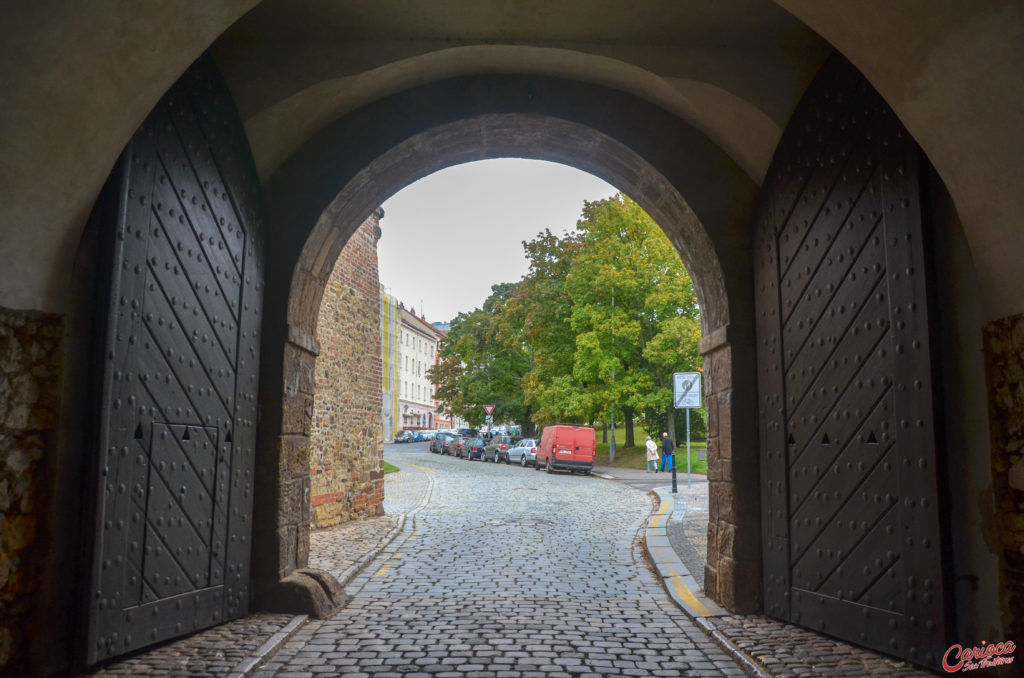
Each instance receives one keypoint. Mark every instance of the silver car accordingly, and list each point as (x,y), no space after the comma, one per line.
(524,453)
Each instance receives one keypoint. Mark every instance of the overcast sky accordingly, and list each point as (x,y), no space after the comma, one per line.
(450,236)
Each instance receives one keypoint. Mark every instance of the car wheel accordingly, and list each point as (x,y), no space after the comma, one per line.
(548,468)
(522,461)
(508,462)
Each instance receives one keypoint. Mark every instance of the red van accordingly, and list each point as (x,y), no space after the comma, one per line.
(566,447)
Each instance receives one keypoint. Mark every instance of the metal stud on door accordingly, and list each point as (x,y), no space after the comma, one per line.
(849,480)
(178,408)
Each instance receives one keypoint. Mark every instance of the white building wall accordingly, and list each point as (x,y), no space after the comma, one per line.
(418,346)
(391,332)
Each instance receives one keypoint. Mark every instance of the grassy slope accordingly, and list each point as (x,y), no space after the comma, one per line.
(390,468)
(636,457)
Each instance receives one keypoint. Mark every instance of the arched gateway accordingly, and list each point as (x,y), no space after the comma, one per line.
(681,108)
(195,484)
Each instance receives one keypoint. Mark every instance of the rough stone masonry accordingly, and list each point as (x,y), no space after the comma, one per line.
(29,376)
(346,449)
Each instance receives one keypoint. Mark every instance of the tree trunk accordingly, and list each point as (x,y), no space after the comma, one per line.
(670,426)
(628,412)
(604,433)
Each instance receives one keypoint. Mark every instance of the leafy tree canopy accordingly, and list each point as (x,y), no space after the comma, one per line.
(603,318)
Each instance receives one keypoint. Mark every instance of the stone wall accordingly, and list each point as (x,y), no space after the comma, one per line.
(30,350)
(732,575)
(1004,358)
(346,449)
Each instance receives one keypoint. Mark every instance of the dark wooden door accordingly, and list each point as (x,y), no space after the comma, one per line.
(852,535)
(177,413)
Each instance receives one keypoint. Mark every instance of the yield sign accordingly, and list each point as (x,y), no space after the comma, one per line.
(489,409)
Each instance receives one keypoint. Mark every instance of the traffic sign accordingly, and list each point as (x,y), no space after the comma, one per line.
(489,409)
(686,390)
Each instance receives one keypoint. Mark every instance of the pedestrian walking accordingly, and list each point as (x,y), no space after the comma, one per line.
(668,456)
(652,455)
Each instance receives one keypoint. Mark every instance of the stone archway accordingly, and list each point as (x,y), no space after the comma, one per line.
(733,558)
(78,89)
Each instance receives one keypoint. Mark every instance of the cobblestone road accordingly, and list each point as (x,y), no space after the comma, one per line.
(687,527)
(509,573)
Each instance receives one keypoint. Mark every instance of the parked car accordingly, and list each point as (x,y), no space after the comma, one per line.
(466,432)
(473,448)
(429,434)
(404,437)
(439,445)
(566,447)
(523,453)
(456,445)
(497,449)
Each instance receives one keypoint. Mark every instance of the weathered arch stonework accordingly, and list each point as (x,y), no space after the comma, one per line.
(75,91)
(30,355)
(734,554)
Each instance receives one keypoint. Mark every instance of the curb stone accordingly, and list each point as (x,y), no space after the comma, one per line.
(682,587)
(269,648)
(352,570)
(277,641)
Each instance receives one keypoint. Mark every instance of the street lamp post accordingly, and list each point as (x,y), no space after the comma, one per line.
(611,445)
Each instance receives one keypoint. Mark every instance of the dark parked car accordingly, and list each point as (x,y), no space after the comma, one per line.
(457,444)
(473,448)
(497,449)
(439,445)
(404,437)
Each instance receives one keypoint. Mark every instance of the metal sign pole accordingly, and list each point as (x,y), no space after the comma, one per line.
(687,446)
(675,488)
(685,396)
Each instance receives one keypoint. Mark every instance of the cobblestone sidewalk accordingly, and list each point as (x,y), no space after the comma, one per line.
(788,650)
(214,652)
(227,650)
(687,527)
(343,548)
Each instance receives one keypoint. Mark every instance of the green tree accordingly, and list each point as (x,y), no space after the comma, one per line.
(539,312)
(602,319)
(475,368)
(634,312)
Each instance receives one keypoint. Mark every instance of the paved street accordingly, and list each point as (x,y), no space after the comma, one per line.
(506,572)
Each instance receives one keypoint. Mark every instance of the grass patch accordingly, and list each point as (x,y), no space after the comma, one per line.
(390,468)
(636,457)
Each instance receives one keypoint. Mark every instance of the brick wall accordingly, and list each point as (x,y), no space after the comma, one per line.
(1004,358)
(346,449)
(30,347)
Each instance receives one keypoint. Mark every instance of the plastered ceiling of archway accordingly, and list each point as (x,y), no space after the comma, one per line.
(77,77)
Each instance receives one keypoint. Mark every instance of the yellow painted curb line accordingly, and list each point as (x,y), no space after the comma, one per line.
(687,596)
